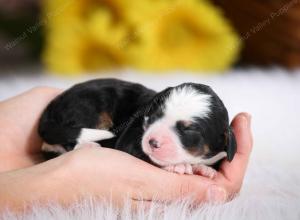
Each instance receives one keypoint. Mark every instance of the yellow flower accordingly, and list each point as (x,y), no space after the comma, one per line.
(80,40)
(79,54)
(88,35)
(186,34)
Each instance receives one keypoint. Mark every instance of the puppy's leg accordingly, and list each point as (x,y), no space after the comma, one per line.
(53,148)
(198,169)
(179,168)
(86,144)
(204,170)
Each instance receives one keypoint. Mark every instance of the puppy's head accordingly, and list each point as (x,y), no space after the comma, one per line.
(187,124)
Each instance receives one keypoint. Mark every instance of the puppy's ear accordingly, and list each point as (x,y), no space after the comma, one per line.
(230,144)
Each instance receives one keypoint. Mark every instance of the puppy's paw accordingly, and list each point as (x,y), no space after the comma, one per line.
(179,168)
(203,170)
(87,144)
(53,148)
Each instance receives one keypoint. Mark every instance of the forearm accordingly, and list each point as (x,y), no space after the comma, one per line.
(41,183)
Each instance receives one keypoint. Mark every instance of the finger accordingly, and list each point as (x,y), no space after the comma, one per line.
(204,170)
(234,171)
(143,181)
(141,205)
(161,185)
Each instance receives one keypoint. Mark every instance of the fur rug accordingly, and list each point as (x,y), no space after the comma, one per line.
(271,188)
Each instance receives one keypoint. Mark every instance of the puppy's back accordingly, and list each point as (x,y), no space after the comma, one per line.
(76,114)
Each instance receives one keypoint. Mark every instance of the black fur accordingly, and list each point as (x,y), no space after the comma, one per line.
(80,107)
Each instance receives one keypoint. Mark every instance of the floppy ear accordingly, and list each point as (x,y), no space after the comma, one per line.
(230,144)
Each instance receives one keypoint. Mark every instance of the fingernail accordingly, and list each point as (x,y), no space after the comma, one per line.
(247,120)
(216,194)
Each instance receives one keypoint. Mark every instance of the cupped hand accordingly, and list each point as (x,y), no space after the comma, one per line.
(111,173)
(107,173)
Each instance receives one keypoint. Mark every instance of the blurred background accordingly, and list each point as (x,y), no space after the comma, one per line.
(70,37)
(247,51)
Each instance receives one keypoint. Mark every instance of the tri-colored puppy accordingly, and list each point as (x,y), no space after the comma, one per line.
(182,129)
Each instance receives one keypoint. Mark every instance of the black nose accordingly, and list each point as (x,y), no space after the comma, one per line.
(153,143)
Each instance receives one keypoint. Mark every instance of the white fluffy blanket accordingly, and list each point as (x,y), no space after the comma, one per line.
(271,188)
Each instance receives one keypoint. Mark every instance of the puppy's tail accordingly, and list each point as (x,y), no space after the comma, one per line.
(55,134)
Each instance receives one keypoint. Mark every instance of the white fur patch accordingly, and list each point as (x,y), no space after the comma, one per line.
(186,102)
(90,135)
(205,161)
(53,148)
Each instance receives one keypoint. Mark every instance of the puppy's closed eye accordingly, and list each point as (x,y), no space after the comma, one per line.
(185,126)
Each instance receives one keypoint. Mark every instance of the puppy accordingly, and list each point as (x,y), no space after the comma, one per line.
(183,129)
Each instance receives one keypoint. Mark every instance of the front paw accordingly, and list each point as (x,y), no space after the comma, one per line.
(179,168)
(204,170)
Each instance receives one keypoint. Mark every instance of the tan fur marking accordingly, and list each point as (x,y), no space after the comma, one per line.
(205,149)
(195,151)
(105,121)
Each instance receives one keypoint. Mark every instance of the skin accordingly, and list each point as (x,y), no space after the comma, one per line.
(99,172)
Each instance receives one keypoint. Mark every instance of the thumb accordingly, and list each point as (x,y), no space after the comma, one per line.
(235,170)
(197,188)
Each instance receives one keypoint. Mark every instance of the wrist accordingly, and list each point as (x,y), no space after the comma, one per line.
(43,183)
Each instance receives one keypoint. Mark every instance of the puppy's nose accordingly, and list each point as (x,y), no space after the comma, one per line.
(153,143)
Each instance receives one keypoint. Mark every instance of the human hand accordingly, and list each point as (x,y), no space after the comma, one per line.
(113,174)
(19,116)
(109,172)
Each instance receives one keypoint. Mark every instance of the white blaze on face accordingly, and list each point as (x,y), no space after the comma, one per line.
(182,104)
(186,103)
